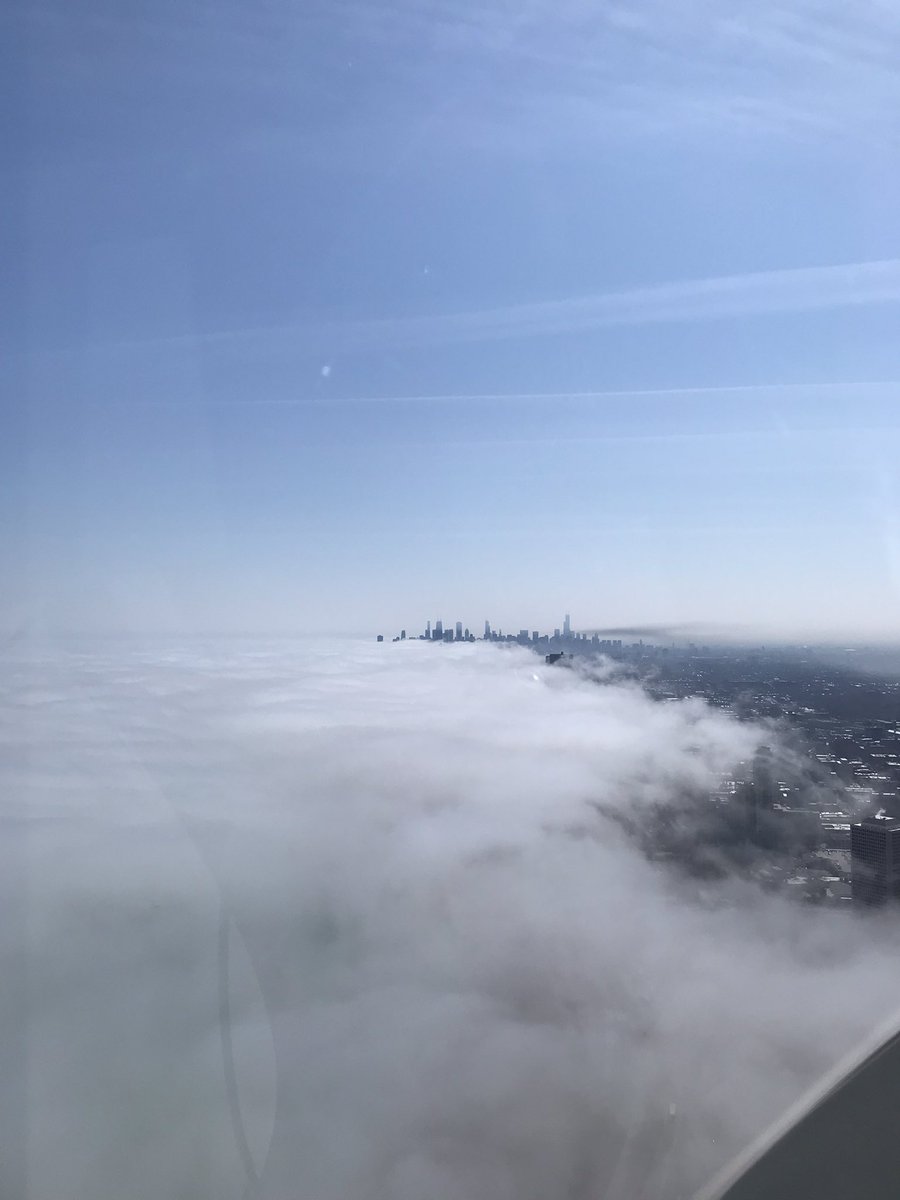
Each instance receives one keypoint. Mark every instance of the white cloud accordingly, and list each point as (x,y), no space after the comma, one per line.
(567,71)
(810,67)
(788,290)
(450,977)
(758,292)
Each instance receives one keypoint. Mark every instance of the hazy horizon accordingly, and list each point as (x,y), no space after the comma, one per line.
(714,636)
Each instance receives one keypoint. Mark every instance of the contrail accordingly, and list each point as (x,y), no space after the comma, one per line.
(777,390)
(793,289)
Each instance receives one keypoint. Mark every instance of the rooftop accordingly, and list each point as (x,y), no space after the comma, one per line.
(884,822)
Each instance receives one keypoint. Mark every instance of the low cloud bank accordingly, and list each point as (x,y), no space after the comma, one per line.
(348,922)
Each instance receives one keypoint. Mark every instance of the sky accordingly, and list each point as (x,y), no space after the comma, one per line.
(328,918)
(340,316)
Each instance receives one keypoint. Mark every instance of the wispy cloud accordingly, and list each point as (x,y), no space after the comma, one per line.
(759,293)
(779,67)
(775,66)
(782,393)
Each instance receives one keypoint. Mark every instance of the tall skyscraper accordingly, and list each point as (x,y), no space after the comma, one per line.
(765,785)
(758,791)
(567,628)
(438,630)
(428,631)
(459,631)
(487,631)
(875,860)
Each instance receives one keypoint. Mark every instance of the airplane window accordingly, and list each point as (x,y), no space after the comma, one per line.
(450,552)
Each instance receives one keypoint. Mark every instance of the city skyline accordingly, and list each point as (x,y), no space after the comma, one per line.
(631,635)
(560,635)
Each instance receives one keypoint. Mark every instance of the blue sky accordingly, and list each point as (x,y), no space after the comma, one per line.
(340,316)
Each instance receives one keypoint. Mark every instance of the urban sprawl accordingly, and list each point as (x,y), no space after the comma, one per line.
(813,817)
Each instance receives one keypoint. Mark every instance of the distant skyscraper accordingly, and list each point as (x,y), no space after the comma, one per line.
(402,635)
(438,630)
(875,860)
(459,631)
(758,792)
(567,628)
(487,630)
(765,785)
(428,631)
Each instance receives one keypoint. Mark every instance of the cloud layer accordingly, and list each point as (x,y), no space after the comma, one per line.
(344,921)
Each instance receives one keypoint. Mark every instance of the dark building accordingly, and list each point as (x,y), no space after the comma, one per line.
(459,631)
(765,785)
(875,860)
(380,638)
(758,794)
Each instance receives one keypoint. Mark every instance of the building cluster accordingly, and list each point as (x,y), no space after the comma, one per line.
(440,634)
(875,860)
(831,807)
(525,637)
(560,640)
